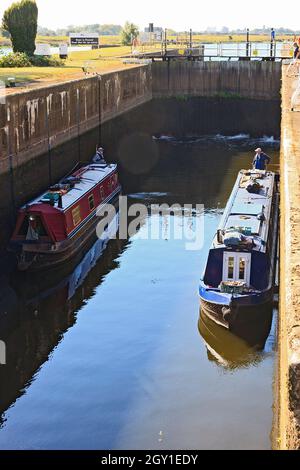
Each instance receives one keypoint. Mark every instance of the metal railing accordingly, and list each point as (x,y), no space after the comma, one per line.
(264,51)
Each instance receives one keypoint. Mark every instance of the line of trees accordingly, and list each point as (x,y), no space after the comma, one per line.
(128,32)
(104,30)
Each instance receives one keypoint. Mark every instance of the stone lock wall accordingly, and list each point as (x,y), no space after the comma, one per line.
(35,121)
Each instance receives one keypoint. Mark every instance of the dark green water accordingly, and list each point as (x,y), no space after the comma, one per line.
(113,357)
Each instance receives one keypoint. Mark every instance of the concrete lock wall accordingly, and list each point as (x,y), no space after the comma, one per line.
(36,121)
(33,122)
(287,385)
(244,79)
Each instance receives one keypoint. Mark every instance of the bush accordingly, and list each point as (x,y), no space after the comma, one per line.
(44,61)
(18,59)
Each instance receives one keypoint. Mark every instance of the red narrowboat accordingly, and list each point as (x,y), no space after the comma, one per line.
(59,223)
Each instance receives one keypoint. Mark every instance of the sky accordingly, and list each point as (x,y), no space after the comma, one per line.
(180,16)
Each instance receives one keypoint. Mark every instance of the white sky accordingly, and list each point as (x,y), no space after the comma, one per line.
(178,15)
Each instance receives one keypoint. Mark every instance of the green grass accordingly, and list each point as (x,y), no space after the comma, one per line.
(98,60)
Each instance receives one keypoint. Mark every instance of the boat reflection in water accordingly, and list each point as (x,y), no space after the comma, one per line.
(36,317)
(228,350)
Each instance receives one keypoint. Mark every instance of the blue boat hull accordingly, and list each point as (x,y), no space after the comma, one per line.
(247,316)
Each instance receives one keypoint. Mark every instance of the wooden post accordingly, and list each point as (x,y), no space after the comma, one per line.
(100,109)
(78,123)
(247,43)
(49,144)
(11,173)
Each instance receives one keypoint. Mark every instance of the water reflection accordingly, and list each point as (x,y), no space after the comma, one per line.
(37,311)
(224,348)
(228,350)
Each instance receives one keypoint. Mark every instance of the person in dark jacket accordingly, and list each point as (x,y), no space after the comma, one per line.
(261,160)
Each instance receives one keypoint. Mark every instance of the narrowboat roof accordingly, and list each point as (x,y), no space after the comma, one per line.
(88,177)
(247,211)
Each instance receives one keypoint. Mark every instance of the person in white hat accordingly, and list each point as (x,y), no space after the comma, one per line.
(261,160)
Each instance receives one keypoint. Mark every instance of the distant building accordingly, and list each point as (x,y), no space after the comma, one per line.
(155,32)
(211,30)
(225,30)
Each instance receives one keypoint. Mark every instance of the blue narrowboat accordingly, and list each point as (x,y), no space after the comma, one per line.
(237,286)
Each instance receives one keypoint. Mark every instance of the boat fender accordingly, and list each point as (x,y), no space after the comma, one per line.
(226,312)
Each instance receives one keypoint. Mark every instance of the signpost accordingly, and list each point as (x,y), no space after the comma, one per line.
(63,51)
(272,44)
(84,39)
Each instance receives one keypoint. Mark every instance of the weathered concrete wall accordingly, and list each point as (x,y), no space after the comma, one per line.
(36,121)
(287,405)
(247,79)
(33,122)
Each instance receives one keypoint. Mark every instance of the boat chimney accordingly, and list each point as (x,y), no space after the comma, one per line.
(220,236)
(60,204)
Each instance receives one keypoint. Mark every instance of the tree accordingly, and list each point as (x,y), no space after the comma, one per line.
(20,20)
(128,33)
(42,31)
(110,29)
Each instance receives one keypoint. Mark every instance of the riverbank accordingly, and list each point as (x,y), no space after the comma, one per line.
(287,408)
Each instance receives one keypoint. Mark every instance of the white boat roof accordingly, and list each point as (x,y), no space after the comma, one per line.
(90,175)
(243,208)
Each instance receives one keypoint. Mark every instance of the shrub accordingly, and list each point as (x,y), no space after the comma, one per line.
(20,59)
(17,59)
(44,61)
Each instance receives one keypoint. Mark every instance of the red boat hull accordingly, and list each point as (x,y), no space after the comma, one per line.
(47,256)
(61,223)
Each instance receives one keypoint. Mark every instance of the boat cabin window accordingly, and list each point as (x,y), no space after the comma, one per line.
(76,215)
(101,193)
(230,270)
(114,181)
(32,228)
(91,202)
(237,267)
(242,269)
